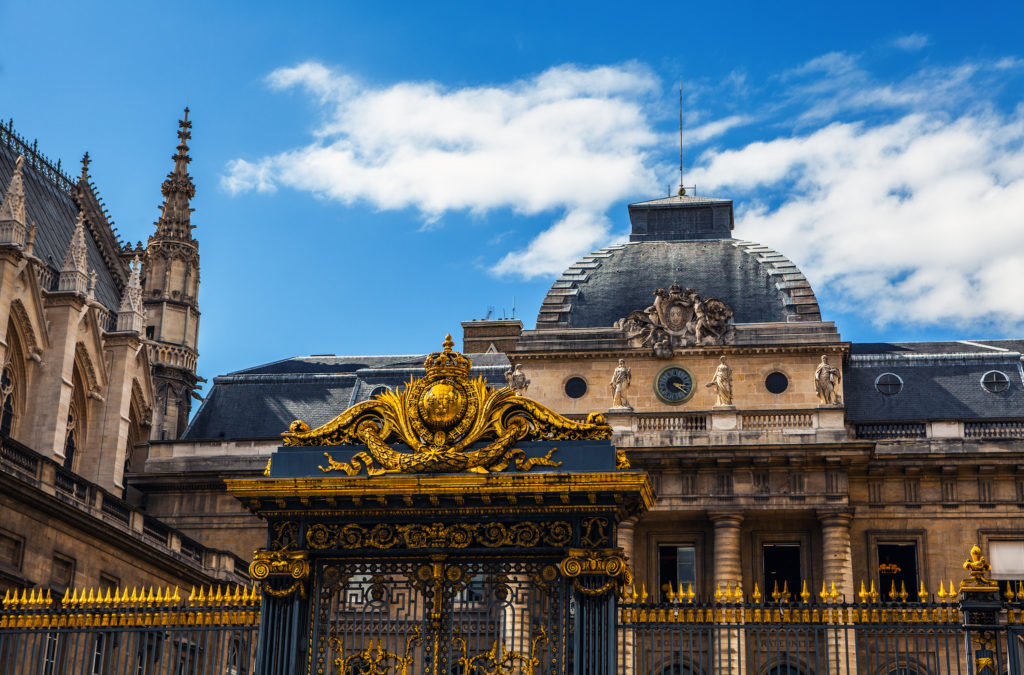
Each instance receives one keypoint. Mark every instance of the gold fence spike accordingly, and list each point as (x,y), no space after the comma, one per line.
(107,600)
(690,595)
(873,594)
(1009,592)
(835,594)
(176,598)
(643,592)
(863,594)
(219,598)
(786,595)
(124,595)
(892,591)
(952,591)
(718,592)
(737,595)
(671,594)
(92,598)
(903,595)
(805,595)
(159,599)
(824,592)
(192,595)
(7,598)
(922,595)
(756,595)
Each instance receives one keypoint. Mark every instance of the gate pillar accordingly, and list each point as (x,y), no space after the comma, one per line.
(284,612)
(979,602)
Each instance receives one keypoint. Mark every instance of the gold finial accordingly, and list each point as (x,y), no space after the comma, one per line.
(922,594)
(786,595)
(824,592)
(643,592)
(903,595)
(863,594)
(756,595)
(776,595)
(690,595)
(874,593)
(942,591)
(835,594)
(953,592)
(1009,592)
(718,592)
(805,594)
(672,597)
(448,343)
(737,595)
(977,567)
(892,591)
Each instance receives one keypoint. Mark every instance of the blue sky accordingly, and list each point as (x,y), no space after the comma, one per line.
(371,174)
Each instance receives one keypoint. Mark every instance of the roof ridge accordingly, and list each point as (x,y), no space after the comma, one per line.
(42,164)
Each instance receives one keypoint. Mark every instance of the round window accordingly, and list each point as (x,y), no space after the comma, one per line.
(575,387)
(889,384)
(377,391)
(995,381)
(776,383)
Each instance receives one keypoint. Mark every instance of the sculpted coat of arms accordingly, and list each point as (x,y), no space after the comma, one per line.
(678,318)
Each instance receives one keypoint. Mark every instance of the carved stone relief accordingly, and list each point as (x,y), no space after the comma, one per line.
(678,318)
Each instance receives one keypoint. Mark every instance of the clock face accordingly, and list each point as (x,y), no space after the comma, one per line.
(674,385)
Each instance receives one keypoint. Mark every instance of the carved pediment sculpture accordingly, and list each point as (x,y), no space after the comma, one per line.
(445,422)
(678,318)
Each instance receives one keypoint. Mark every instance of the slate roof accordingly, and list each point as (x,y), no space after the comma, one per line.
(675,200)
(941,381)
(260,402)
(49,204)
(759,284)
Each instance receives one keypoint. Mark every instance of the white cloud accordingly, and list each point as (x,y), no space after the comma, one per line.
(916,220)
(911,43)
(571,140)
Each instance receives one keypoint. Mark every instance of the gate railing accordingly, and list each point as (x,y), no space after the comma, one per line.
(810,635)
(142,632)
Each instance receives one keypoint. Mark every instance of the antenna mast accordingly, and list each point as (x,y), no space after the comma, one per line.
(682,190)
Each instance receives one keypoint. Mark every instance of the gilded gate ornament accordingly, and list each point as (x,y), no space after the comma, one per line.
(294,564)
(609,562)
(440,417)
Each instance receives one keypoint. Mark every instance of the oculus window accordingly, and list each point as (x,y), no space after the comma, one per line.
(889,384)
(995,381)
(575,387)
(776,383)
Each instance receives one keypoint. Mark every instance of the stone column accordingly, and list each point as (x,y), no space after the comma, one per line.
(625,532)
(728,657)
(837,566)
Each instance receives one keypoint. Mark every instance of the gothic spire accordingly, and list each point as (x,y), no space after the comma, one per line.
(74,272)
(130,315)
(175,217)
(13,207)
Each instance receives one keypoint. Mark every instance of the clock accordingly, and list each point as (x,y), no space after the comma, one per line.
(674,385)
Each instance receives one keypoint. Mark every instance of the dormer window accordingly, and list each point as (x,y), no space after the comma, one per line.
(889,384)
(995,381)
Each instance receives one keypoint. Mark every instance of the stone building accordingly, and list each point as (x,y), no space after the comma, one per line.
(781,454)
(98,355)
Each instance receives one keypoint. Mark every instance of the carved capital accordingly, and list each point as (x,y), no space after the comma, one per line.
(293,564)
(607,562)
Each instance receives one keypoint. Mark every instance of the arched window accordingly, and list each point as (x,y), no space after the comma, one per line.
(70,446)
(7,401)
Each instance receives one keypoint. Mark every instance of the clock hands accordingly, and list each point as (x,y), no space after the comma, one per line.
(678,386)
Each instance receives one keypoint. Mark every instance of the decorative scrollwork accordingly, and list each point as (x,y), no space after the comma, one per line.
(375,660)
(594,532)
(294,564)
(440,417)
(286,535)
(498,661)
(322,536)
(609,562)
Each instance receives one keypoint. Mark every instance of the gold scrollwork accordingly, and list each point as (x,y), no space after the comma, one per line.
(375,660)
(594,532)
(609,562)
(286,535)
(499,661)
(439,418)
(294,564)
(322,536)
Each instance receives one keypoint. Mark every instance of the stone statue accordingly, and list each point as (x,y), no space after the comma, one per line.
(826,382)
(722,382)
(516,379)
(679,317)
(621,379)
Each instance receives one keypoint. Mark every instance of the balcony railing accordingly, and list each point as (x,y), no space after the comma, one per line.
(994,429)
(793,420)
(671,422)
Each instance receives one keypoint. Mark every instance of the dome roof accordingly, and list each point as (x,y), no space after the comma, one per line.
(759,284)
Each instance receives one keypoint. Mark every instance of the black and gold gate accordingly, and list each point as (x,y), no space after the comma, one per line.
(448,529)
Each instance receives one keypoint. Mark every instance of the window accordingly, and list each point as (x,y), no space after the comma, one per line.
(150,332)
(678,565)
(108,582)
(377,391)
(889,384)
(776,383)
(781,571)
(575,387)
(7,405)
(1007,559)
(10,551)
(69,442)
(995,381)
(897,571)
(62,573)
